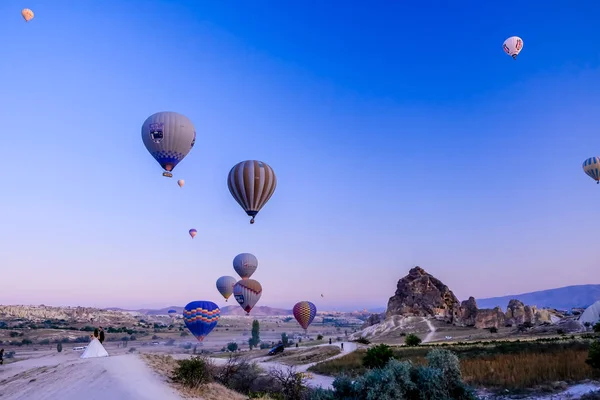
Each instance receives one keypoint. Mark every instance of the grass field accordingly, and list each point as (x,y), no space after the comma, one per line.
(507,365)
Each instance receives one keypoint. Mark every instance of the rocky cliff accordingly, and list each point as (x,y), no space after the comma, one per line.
(421,294)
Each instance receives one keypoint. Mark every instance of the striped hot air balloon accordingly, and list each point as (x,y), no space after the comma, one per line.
(201,317)
(304,312)
(247,292)
(245,265)
(225,286)
(591,167)
(252,184)
(168,137)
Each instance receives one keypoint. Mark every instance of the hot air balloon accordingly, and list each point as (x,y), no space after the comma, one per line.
(201,317)
(513,46)
(247,292)
(225,286)
(193,233)
(169,137)
(304,312)
(181,182)
(322,295)
(27,14)
(172,314)
(245,264)
(251,184)
(591,167)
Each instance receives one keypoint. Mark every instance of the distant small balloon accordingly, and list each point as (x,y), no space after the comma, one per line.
(181,182)
(27,14)
(193,233)
(513,46)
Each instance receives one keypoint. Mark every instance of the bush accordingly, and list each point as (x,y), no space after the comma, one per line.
(439,380)
(597,327)
(591,396)
(264,345)
(238,374)
(59,347)
(363,340)
(412,340)
(378,356)
(131,349)
(493,329)
(593,359)
(292,383)
(319,337)
(232,346)
(194,372)
(44,341)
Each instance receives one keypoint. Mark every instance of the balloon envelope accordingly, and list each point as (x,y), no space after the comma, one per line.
(193,233)
(225,286)
(168,137)
(304,312)
(247,292)
(181,182)
(513,46)
(201,317)
(171,311)
(591,167)
(27,14)
(245,264)
(252,183)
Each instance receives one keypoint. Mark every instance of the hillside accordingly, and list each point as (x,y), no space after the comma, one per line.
(563,298)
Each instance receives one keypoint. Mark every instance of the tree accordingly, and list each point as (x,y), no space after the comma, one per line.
(232,346)
(378,356)
(284,339)
(412,340)
(255,339)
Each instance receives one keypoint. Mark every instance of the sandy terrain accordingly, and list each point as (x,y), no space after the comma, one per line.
(65,376)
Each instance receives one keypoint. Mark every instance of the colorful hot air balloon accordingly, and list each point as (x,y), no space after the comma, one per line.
(591,167)
(225,286)
(247,292)
(193,233)
(304,312)
(513,46)
(181,182)
(201,317)
(172,311)
(169,137)
(27,14)
(251,184)
(245,264)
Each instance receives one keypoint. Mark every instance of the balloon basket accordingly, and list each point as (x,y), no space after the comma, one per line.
(168,174)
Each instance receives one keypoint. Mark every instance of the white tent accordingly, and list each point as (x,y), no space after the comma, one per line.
(591,314)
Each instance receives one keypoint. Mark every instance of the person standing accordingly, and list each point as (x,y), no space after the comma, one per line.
(101,335)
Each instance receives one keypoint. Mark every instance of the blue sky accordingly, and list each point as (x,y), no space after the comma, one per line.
(401,135)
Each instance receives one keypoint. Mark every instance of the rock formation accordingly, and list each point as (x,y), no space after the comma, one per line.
(421,294)
(69,314)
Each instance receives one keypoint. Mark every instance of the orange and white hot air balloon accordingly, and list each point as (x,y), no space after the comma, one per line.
(27,14)
(181,182)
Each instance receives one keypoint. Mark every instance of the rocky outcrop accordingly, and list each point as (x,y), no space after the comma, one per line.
(489,318)
(466,315)
(421,294)
(373,319)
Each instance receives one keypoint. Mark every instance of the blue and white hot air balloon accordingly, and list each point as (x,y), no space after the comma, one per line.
(591,167)
(201,317)
(169,137)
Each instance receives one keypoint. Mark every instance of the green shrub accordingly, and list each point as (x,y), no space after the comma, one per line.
(378,356)
(412,340)
(59,347)
(594,355)
(319,337)
(194,372)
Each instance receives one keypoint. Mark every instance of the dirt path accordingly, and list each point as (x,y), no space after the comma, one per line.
(431,333)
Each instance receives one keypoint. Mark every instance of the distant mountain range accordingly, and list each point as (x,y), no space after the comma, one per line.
(563,298)
(262,311)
